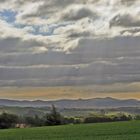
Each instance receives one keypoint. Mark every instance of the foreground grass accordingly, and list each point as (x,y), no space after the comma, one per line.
(100,131)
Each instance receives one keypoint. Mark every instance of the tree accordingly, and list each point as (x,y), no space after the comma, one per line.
(137,117)
(54,117)
(8,120)
(34,121)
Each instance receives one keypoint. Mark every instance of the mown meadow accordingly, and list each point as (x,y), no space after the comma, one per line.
(97,131)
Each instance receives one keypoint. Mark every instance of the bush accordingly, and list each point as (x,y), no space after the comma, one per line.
(122,117)
(34,121)
(67,120)
(95,119)
(137,117)
(104,118)
(8,120)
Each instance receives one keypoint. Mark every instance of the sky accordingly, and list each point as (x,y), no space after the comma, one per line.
(55,49)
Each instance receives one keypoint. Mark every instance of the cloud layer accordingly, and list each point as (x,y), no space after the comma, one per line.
(69,42)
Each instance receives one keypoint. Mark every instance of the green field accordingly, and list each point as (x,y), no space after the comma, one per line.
(100,131)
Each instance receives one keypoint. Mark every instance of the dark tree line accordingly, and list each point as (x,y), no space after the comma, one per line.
(52,118)
(55,118)
(8,120)
(105,118)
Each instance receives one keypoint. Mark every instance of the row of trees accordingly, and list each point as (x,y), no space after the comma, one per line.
(52,118)
(105,118)
(9,120)
(55,118)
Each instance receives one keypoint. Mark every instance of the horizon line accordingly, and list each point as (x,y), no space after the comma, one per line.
(72,99)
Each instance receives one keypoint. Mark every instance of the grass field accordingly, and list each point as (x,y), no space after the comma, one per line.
(100,131)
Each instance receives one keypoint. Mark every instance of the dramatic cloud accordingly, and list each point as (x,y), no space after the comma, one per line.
(70,43)
(77,12)
(126,20)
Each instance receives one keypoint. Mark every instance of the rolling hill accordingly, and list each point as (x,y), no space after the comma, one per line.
(79,103)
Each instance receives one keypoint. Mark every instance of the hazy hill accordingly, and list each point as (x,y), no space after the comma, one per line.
(80,103)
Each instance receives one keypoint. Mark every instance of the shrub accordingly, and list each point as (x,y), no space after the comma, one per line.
(34,121)
(137,117)
(8,120)
(104,118)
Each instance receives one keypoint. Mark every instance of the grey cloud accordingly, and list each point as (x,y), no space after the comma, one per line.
(108,61)
(108,47)
(81,34)
(100,75)
(47,8)
(49,58)
(9,44)
(118,88)
(17,45)
(83,28)
(77,12)
(2,1)
(128,2)
(132,31)
(125,20)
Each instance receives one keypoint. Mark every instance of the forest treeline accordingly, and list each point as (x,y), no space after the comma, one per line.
(55,118)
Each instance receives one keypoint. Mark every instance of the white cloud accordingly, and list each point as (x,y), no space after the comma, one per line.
(70,42)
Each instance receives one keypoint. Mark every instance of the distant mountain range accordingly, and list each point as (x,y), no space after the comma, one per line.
(79,103)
